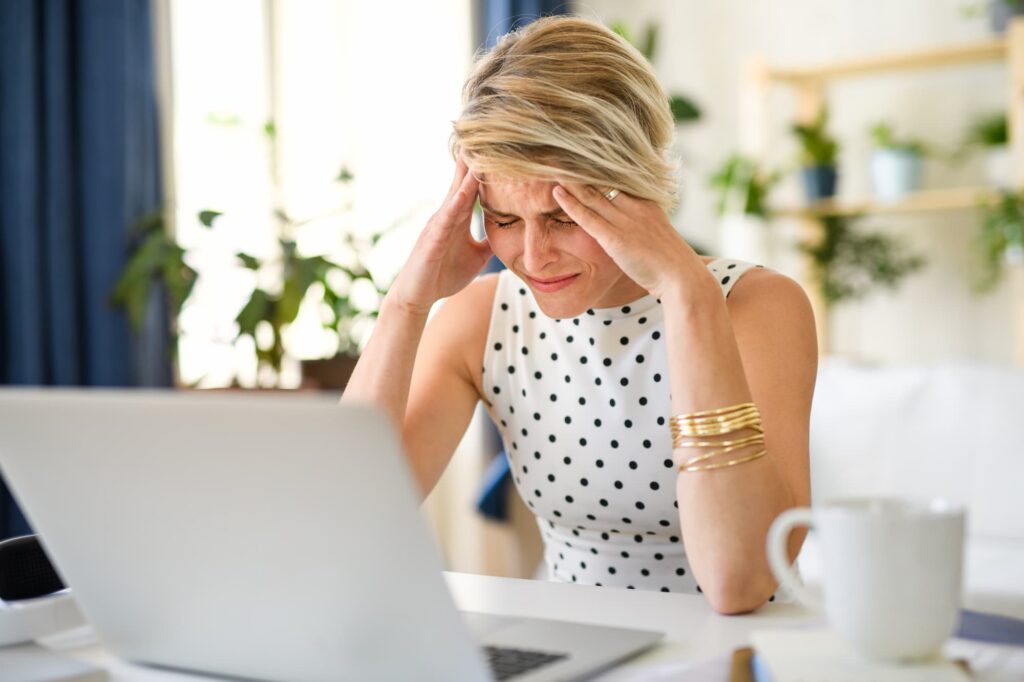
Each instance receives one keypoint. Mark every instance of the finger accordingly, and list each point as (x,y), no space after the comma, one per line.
(459,208)
(595,200)
(582,213)
(461,170)
(465,196)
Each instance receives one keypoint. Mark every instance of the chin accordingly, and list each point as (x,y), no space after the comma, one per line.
(560,310)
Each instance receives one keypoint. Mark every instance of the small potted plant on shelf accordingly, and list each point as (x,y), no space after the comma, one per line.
(990,134)
(1001,240)
(1000,12)
(742,187)
(818,154)
(895,164)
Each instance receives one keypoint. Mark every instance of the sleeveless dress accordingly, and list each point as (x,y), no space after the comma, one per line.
(582,406)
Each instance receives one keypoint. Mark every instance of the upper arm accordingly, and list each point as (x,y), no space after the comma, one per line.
(443,392)
(774,327)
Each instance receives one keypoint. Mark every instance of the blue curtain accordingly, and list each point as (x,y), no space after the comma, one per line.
(498,17)
(79,164)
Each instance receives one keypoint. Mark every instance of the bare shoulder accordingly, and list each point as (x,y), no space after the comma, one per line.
(762,293)
(458,329)
(775,329)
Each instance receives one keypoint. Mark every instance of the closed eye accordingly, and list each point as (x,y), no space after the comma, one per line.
(566,223)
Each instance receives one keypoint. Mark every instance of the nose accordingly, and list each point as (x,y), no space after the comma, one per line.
(538,249)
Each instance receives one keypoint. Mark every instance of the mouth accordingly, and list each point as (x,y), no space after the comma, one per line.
(551,284)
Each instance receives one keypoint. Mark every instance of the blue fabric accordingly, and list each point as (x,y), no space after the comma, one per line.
(79,164)
(498,18)
(501,16)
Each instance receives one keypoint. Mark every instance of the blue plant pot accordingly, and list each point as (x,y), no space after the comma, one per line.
(819,182)
(1000,12)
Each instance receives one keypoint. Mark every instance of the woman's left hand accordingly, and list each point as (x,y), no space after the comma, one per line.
(636,234)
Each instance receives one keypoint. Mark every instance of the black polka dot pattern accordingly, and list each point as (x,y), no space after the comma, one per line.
(588,443)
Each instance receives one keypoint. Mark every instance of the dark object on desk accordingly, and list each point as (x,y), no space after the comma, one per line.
(25,570)
(991,628)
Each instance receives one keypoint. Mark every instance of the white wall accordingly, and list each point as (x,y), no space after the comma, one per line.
(705,47)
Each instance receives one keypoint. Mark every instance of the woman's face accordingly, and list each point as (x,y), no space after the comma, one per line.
(565,267)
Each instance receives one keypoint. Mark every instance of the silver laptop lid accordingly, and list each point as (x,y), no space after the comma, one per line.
(236,534)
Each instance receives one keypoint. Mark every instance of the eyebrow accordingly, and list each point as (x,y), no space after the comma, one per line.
(547,214)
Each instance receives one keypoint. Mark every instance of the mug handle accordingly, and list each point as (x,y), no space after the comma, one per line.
(778,556)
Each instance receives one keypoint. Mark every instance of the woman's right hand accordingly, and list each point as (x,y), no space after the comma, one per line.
(446,257)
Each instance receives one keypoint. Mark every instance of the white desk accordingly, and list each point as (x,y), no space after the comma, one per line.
(697,640)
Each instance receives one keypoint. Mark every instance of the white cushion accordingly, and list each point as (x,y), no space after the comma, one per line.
(950,431)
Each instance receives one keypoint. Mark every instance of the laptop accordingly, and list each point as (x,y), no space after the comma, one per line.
(260,537)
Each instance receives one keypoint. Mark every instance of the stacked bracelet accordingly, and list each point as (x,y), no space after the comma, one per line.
(688,430)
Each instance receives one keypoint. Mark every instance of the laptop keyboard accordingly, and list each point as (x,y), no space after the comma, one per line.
(507,663)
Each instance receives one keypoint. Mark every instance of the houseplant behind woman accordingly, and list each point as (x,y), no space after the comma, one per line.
(654,404)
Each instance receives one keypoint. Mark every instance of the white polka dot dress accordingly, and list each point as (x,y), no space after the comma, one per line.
(582,405)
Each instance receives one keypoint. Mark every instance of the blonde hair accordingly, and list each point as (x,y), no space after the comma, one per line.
(567,98)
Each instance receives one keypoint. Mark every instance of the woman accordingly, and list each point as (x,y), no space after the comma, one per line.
(654,404)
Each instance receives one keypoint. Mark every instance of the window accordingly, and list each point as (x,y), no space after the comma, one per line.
(367,86)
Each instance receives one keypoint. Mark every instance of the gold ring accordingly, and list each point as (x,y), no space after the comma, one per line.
(611,194)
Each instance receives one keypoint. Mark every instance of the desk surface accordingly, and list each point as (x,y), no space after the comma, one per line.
(697,640)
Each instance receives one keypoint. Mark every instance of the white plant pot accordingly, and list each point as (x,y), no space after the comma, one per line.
(894,174)
(999,167)
(744,237)
(1014,256)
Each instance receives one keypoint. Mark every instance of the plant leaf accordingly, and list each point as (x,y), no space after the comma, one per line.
(683,109)
(650,44)
(132,289)
(250,262)
(207,217)
(256,309)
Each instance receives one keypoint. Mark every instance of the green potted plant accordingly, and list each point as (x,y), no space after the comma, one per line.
(819,152)
(849,264)
(335,287)
(990,134)
(1001,239)
(742,189)
(895,163)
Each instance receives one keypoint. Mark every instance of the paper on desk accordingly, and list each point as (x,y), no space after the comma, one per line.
(33,663)
(711,670)
(820,655)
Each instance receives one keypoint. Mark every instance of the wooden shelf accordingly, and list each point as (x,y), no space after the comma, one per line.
(982,51)
(952,199)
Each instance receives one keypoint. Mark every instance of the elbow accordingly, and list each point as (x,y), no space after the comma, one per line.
(734,595)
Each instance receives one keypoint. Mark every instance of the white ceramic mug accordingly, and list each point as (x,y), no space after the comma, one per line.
(891,571)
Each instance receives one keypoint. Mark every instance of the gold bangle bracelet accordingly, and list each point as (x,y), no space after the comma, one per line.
(753,422)
(723,465)
(717,452)
(756,438)
(721,410)
(689,464)
(721,419)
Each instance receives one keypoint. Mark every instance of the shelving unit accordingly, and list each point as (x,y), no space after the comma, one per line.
(809,87)
(950,199)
